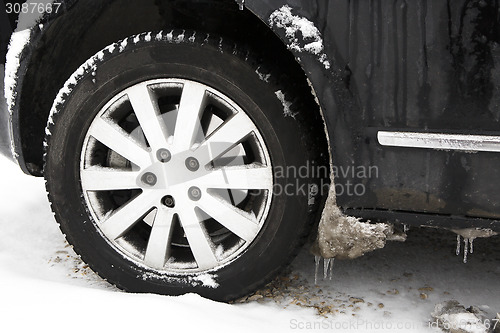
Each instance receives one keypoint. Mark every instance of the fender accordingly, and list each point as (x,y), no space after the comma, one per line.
(25,30)
(320,68)
(315,55)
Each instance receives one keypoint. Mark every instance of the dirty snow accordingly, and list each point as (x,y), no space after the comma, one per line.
(302,34)
(344,237)
(454,317)
(398,286)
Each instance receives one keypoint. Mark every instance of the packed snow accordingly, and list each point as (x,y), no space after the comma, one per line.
(301,33)
(18,42)
(287,111)
(44,284)
(262,76)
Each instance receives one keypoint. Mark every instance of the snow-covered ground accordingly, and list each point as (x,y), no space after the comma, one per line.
(43,284)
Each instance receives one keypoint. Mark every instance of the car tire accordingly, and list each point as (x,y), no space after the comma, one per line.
(154,203)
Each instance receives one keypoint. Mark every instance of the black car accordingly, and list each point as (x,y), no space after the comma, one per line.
(192,145)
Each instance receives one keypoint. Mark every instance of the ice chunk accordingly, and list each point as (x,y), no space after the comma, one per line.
(451,316)
(475,233)
(345,237)
(469,236)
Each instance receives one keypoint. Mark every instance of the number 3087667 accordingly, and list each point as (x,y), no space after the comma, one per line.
(32,7)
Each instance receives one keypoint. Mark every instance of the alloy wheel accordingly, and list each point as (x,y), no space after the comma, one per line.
(176,176)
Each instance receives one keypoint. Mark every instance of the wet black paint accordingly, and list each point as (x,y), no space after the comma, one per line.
(411,65)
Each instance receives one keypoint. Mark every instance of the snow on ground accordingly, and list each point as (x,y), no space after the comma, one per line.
(43,284)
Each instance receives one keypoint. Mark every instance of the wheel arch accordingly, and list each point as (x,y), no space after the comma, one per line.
(64,41)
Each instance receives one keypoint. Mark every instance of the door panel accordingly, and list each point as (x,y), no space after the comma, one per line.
(417,66)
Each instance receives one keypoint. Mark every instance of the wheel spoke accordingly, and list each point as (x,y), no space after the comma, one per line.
(239,177)
(158,248)
(118,140)
(107,179)
(191,106)
(198,239)
(241,223)
(148,114)
(128,215)
(227,136)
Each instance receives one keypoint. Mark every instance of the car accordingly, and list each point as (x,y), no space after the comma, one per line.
(194,145)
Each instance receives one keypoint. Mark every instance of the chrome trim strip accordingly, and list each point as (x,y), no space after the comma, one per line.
(440,141)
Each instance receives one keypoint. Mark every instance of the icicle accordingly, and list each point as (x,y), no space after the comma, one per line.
(317,261)
(330,272)
(457,252)
(472,245)
(466,249)
(406,228)
(326,264)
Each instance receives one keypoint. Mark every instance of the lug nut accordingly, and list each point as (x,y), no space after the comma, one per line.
(192,164)
(163,155)
(149,178)
(194,193)
(169,201)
